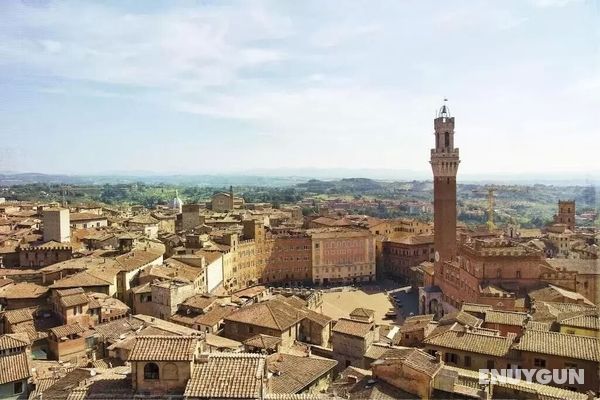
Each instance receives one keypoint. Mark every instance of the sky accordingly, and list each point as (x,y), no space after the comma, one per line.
(193,87)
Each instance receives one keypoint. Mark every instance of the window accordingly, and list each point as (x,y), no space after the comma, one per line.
(467,361)
(151,371)
(518,274)
(18,387)
(451,358)
(570,366)
(490,364)
(539,362)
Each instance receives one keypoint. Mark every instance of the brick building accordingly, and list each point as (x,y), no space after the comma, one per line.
(400,254)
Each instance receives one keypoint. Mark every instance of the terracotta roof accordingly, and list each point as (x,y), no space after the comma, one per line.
(476,308)
(28,329)
(66,330)
(164,348)
(113,329)
(136,259)
(352,327)
(586,320)
(14,367)
(375,351)
(261,341)
(412,357)
(221,342)
(462,317)
(227,376)
(273,314)
(318,318)
(538,326)
(412,240)
(210,318)
(416,323)
(23,290)
(293,301)
(70,292)
(559,344)
(293,373)
(209,256)
(143,219)
(74,300)
(474,342)
(12,341)
(362,313)
(557,294)
(199,301)
(505,317)
(582,266)
(77,217)
(18,316)
(81,279)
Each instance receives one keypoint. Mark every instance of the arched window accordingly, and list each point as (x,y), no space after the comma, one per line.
(170,371)
(151,371)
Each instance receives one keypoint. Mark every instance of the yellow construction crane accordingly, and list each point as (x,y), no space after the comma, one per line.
(491,200)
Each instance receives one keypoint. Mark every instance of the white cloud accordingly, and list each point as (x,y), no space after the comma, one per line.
(175,49)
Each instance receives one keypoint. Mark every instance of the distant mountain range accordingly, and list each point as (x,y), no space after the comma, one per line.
(289,177)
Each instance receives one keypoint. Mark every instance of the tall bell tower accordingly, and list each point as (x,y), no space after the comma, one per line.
(444,163)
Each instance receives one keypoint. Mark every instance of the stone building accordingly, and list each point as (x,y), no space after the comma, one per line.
(566,214)
(342,256)
(162,365)
(352,337)
(68,343)
(553,350)
(168,295)
(471,348)
(409,369)
(288,259)
(72,305)
(15,367)
(400,254)
(38,256)
(283,318)
(87,220)
(56,223)
(226,201)
(190,216)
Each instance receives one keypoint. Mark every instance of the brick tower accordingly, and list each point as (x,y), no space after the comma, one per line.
(444,163)
(566,214)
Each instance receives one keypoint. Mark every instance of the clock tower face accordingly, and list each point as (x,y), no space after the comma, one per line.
(437,256)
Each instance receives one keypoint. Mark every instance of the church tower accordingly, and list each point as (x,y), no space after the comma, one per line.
(444,163)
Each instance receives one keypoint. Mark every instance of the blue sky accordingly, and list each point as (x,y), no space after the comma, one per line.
(220,86)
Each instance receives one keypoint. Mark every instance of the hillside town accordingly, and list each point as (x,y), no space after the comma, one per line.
(229,299)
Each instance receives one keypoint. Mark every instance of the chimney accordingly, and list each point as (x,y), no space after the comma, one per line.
(438,357)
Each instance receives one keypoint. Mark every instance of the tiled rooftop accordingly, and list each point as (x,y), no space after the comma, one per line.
(164,348)
(559,344)
(227,376)
(293,373)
